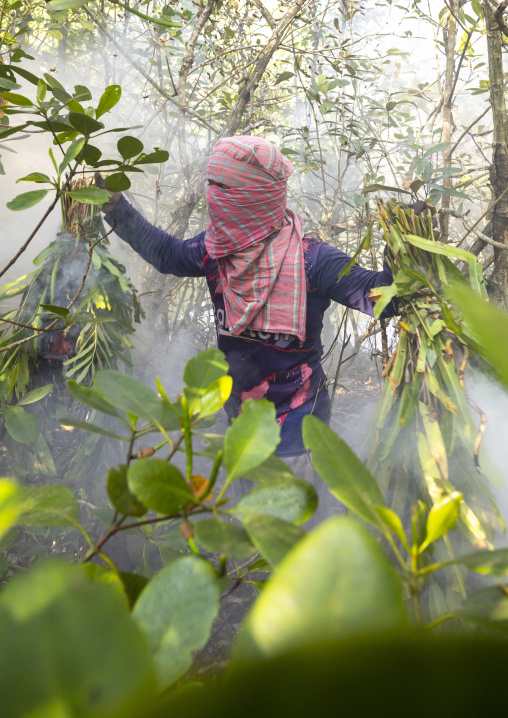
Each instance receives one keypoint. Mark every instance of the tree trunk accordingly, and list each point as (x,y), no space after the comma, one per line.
(450,40)
(498,284)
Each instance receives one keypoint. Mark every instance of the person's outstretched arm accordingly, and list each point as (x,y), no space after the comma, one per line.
(166,253)
(351,291)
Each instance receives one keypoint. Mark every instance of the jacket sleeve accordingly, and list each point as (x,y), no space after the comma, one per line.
(163,251)
(352,290)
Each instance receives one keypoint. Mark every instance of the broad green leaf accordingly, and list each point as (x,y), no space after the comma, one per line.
(437,148)
(71,152)
(109,98)
(91,155)
(54,309)
(272,536)
(89,195)
(153,157)
(339,467)
(489,324)
(91,397)
(117,182)
(10,499)
(26,200)
(23,427)
(390,519)
(16,99)
(176,611)
(438,248)
(223,537)
(35,395)
(55,623)
(494,563)
(251,439)
(48,506)
(284,76)
(200,373)
(34,177)
(386,294)
(215,396)
(129,394)
(84,124)
(487,608)
(442,517)
(159,485)
(57,5)
(335,582)
(133,584)
(294,501)
(122,499)
(272,469)
(88,426)
(129,147)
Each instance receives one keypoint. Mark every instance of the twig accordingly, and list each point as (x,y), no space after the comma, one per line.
(489,209)
(473,123)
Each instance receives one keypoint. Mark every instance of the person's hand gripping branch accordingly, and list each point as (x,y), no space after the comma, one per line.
(114,197)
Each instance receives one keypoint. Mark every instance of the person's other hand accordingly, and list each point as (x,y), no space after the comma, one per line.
(110,205)
(421,209)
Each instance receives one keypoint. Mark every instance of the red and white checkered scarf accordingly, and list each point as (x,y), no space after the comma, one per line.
(257,241)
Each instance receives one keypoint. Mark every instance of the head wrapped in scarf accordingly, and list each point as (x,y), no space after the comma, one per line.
(257,241)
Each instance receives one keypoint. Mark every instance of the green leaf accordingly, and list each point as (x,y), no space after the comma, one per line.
(294,501)
(223,537)
(72,151)
(343,472)
(88,426)
(55,309)
(273,469)
(387,293)
(22,427)
(26,200)
(117,182)
(90,155)
(438,248)
(48,506)
(272,536)
(393,522)
(437,148)
(35,395)
(34,177)
(364,244)
(284,76)
(200,374)
(153,157)
(56,5)
(215,396)
(494,563)
(252,437)
(488,324)
(159,485)
(176,612)
(122,499)
(109,98)
(442,517)
(129,394)
(133,584)
(129,147)
(91,397)
(49,650)
(84,124)
(487,608)
(10,499)
(335,582)
(15,99)
(90,195)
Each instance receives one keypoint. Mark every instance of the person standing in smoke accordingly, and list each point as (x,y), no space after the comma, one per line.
(269,284)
